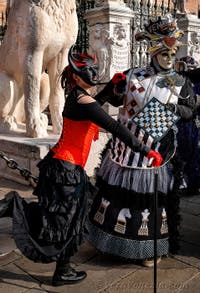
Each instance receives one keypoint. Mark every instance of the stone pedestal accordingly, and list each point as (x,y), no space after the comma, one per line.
(27,152)
(109,38)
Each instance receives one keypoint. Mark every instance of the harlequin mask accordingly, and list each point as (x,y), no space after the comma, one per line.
(166,58)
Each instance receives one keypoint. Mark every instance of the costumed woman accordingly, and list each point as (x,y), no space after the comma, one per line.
(52,228)
(121,220)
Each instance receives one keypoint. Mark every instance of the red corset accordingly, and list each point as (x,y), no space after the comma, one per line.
(75,141)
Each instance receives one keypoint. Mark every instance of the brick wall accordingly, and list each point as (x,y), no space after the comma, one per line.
(191,6)
(3,5)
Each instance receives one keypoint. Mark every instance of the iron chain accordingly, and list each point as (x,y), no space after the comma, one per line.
(12,164)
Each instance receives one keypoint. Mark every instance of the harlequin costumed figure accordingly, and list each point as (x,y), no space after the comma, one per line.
(121,217)
(52,229)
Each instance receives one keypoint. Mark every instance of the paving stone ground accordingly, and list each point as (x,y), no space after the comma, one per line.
(178,273)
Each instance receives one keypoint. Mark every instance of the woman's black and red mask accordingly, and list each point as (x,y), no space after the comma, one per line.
(84,66)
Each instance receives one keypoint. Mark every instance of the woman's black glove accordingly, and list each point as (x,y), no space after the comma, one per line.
(114,91)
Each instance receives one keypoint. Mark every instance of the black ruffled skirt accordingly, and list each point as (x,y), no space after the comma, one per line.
(53,227)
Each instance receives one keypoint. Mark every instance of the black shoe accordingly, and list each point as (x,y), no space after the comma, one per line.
(67,276)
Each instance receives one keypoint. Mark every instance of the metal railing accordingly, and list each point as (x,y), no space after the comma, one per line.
(83,32)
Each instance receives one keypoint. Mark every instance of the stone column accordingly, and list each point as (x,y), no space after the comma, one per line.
(190,24)
(109,38)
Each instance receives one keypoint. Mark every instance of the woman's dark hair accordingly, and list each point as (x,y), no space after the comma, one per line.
(67,80)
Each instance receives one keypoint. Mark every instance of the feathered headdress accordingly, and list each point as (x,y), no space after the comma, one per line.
(161,34)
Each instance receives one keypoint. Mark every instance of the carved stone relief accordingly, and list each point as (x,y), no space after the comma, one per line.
(111,49)
(120,48)
(100,47)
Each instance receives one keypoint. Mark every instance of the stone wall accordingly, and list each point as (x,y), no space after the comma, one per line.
(192,6)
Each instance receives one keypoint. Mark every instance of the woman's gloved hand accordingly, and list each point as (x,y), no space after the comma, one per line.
(119,81)
(117,77)
(155,157)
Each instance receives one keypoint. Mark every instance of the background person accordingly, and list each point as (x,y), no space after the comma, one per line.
(188,139)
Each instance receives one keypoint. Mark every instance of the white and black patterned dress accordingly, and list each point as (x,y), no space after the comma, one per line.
(121,219)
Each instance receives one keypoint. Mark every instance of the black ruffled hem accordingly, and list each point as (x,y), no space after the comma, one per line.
(54,227)
(41,239)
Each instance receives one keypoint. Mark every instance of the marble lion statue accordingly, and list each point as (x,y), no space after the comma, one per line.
(37,40)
